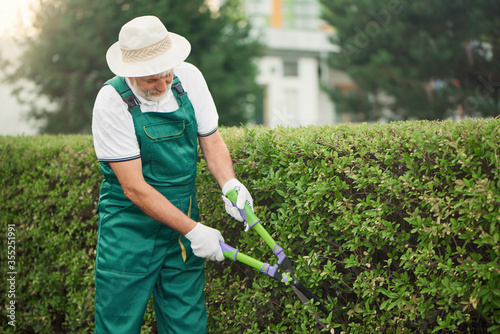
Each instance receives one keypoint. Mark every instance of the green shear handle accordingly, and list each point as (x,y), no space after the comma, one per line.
(254,222)
(287,275)
(266,268)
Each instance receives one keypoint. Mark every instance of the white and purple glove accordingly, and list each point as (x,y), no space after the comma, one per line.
(205,242)
(243,197)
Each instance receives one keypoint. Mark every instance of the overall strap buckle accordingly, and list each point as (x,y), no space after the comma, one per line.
(178,88)
(180,94)
(121,87)
(131,101)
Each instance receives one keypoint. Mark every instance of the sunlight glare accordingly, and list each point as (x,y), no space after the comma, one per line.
(15,17)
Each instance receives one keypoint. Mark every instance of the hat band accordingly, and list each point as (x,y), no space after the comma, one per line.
(148,52)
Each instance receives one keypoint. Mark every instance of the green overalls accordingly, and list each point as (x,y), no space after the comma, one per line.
(138,256)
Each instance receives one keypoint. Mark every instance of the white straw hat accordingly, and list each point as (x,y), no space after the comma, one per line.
(145,47)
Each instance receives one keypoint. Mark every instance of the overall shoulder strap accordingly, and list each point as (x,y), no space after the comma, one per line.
(180,94)
(119,84)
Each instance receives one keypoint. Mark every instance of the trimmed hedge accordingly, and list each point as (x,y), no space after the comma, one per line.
(49,192)
(395,227)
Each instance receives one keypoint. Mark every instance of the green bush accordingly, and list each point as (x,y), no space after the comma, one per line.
(395,227)
(49,191)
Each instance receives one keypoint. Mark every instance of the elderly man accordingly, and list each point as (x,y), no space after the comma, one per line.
(146,125)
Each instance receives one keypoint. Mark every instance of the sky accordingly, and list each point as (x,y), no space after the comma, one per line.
(14,13)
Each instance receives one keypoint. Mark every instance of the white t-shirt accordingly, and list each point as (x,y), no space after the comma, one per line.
(113,127)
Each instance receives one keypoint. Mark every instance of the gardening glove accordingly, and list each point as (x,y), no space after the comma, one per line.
(243,197)
(205,242)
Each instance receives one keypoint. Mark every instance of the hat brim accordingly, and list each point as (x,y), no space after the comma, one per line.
(175,55)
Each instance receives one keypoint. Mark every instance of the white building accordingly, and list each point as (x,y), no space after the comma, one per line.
(293,67)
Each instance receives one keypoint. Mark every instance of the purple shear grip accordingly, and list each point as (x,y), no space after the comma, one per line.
(278,251)
(244,215)
(242,212)
(226,248)
(273,270)
(258,220)
(268,270)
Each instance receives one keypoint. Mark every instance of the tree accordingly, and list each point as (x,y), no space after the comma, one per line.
(65,59)
(430,57)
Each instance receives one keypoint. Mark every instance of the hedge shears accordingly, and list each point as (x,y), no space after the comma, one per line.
(286,274)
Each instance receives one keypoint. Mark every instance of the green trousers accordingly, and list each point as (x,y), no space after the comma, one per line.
(138,257)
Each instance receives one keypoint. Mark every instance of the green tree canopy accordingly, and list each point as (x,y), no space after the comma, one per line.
(431,57)
(66,58)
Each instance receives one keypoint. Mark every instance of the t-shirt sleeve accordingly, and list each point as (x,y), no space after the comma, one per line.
(113,128)
(201,98)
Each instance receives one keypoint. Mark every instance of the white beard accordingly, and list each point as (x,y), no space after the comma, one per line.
(148,95)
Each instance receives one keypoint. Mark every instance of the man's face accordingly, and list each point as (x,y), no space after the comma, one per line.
(153,87)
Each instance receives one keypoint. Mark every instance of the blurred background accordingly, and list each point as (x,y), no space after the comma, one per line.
(267,62)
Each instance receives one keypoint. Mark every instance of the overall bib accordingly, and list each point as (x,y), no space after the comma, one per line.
(138,256)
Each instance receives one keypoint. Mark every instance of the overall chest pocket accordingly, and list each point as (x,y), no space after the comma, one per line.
(165,131)
(171,149)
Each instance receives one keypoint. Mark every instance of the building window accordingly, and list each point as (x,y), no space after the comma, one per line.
(290,68)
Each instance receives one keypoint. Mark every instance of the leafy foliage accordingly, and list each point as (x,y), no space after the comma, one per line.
(49,191)
(432,57)
(66,59)
(395,227)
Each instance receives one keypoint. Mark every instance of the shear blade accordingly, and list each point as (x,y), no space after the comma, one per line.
(305,299)
(309,295)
